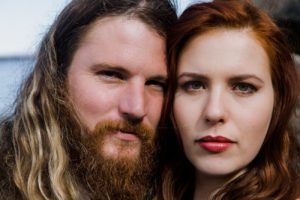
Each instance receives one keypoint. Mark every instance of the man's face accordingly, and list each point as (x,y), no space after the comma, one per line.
(117,77)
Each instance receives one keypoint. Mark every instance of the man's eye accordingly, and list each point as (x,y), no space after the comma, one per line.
(192,86)
(159,85)
(244,88)
(110,74)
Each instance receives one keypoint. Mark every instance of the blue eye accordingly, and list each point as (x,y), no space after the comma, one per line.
(244,88)
(192,86)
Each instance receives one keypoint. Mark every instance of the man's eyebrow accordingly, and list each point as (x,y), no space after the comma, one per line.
(160,78)
(124,71)
(117,68)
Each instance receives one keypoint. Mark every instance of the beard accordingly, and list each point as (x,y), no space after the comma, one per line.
(122,175)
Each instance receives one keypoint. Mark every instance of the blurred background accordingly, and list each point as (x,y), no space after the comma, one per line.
(286,14)
(23,24)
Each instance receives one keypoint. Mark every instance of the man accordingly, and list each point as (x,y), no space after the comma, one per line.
(85,122)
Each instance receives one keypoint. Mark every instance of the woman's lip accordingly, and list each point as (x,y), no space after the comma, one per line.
(214,139)
(215,144)
(215,147)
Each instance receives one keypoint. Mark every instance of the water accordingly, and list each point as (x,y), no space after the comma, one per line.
(12,73)
(14,70)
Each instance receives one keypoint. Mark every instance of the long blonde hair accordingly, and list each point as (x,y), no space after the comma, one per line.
(35,139)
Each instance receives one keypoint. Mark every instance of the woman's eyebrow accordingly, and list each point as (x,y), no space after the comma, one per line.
(192,75)
(243,77)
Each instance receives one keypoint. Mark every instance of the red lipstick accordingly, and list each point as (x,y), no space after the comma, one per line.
(214,144)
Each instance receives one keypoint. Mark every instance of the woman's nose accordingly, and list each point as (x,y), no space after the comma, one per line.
(215,112)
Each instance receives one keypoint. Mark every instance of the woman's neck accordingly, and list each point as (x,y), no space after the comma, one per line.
(207,185)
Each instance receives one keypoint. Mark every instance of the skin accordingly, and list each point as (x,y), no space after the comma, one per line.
(224,89)
(118,73)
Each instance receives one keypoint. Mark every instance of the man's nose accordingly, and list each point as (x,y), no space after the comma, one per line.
(132,103)
(214,110)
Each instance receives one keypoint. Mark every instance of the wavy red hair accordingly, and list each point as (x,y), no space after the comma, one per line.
(274,173)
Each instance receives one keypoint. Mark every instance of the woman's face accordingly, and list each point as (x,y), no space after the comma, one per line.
(224,100)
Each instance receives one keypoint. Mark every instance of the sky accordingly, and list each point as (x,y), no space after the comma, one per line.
(24,22)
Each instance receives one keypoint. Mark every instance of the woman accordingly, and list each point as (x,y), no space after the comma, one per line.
(234,89)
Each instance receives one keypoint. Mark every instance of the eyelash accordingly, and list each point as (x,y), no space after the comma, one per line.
(241,86)
(192,86)
(113,75)
(155,83)
(110,74)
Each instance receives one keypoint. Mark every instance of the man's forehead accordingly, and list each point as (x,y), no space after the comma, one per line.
(127,25)
(123,43)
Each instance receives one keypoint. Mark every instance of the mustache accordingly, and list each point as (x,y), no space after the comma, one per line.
(117,178)
(140,130)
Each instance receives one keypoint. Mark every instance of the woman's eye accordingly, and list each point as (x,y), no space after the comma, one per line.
(192,86)
(244,88)
(110,74)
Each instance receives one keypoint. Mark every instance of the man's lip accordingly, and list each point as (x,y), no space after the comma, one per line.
(126,136)
(127,131)
(219,139)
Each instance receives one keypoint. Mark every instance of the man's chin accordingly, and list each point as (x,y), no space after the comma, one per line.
(115,149)
(116,165)
(116,172)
